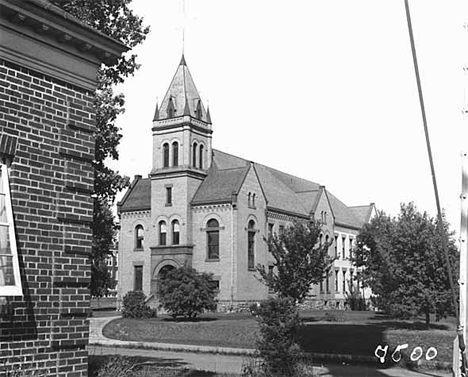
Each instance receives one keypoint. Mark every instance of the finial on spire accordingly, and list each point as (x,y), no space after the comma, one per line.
(182,61)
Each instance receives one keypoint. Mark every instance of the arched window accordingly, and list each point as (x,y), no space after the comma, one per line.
(166,155)
(321,239)
(327,238)
(194,155)
(175,153)
(162,233)
(175,232)
(249,198)
(170,108)
(212,239)
(200,156)
(251,245)
(253,200)
(139,236)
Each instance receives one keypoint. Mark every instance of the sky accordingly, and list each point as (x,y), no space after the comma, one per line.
(324,90)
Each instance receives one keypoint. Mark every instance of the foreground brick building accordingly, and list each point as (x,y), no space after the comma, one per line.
(211,210)
(48,66)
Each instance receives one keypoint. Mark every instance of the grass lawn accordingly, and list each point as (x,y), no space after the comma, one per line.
(238,331)
(332,332)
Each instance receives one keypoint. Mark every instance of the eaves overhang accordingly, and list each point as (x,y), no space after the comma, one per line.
(38,36)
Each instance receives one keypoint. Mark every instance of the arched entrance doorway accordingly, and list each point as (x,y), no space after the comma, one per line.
(162,268)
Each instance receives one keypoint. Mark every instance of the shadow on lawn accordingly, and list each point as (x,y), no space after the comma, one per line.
(196,319)
(390,322)
(344,339)
(156,366)
(409,325)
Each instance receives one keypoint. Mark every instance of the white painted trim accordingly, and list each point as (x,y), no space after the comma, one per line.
(13,290)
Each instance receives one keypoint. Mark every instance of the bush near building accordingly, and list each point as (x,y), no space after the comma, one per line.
(134,306)
(185,292)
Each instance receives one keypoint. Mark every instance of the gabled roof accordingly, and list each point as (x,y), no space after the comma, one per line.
(343,215)
(138,196)
(278,195)
(182,96)
(363,213)
(283,192)
(220,185)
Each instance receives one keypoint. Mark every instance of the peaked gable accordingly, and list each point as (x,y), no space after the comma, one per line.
(137,197)
(182,97)
(363,213)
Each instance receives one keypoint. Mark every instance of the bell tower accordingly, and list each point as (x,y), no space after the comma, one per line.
(181,158)
(181,128)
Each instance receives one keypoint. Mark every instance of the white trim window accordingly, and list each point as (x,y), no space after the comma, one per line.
(10,279)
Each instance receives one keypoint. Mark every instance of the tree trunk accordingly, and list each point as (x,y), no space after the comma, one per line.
(428,319)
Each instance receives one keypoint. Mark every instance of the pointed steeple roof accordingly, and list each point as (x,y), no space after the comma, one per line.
(156,113)
(182,97)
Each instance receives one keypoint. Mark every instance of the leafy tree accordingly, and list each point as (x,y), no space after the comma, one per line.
(115,19)
(134,306)
(185,292)
(404,263)
(278,323)
(104,230)
(300,261)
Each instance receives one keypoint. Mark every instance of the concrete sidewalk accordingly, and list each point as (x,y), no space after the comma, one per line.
(221,359)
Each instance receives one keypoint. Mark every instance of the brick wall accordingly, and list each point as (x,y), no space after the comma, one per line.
(51,180)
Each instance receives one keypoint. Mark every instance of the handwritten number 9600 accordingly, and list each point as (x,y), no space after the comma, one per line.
(416,354)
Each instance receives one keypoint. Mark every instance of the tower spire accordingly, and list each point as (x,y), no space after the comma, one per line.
(156,112)
(182,97)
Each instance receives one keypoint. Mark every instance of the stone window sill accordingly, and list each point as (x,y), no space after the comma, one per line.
(212,260)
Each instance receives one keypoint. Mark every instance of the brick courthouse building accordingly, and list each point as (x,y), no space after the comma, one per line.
(48,66)
(212,210)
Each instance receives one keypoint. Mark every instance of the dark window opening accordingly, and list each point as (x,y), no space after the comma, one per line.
(168,196)
(175,232)
(194,155)
(166,155)
(212,235)
(251,245)
(162,233)
(200,162)
(175,153)
(138,282)
(139,237)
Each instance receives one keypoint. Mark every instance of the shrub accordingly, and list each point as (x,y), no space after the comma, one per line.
(185,292)
(355,301)
(113,366)
(334,317)
(134,306)
(278,320)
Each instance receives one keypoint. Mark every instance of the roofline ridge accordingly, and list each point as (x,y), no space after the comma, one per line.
(238,168)
(304,191)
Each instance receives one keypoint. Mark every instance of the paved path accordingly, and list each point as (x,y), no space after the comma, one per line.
(163,354)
